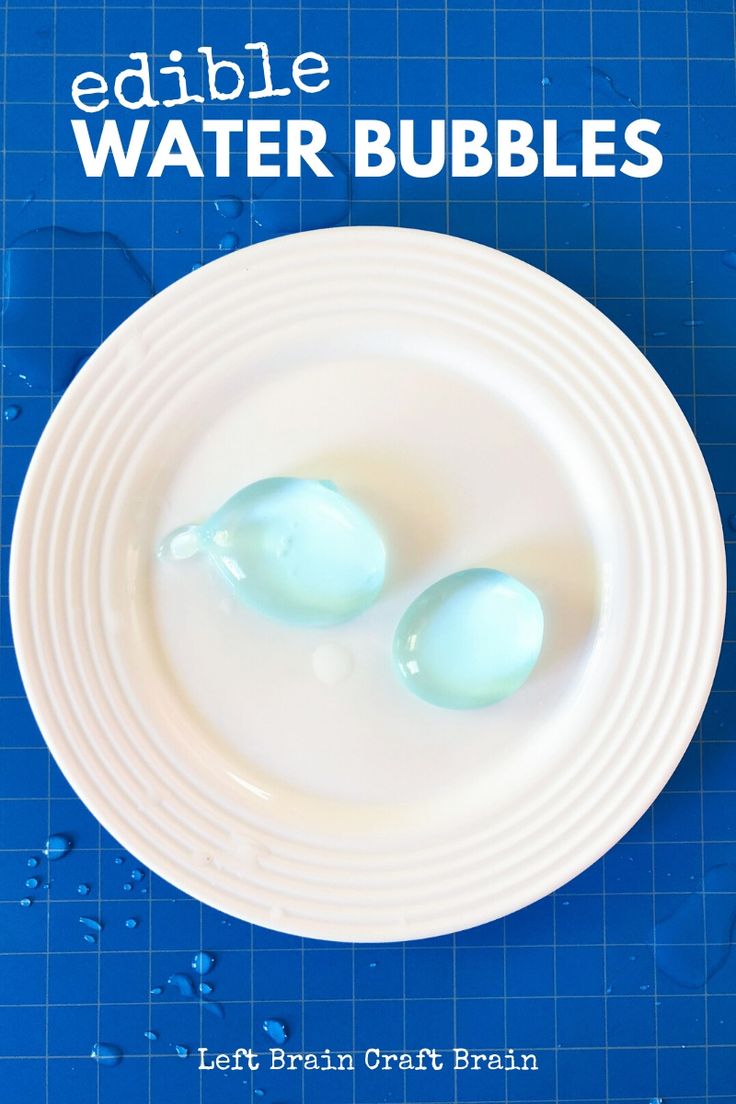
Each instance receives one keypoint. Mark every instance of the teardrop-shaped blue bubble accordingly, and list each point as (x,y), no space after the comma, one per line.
(469,640)
(295,549)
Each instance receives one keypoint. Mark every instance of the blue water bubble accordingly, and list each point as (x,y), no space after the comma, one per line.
(469,640)
(295,549)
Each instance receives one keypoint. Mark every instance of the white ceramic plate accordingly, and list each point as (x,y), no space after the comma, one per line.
(484,414)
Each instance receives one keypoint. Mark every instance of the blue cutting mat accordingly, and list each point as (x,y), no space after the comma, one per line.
(573,978)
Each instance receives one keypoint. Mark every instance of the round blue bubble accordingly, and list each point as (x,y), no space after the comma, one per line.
(469,640)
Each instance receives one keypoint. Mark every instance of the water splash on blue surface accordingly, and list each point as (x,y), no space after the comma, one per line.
(228,242)
(107,1054)
(203,962)
(230,207)
(56,260)
(183,983)
(277,208)
(276,1030)
(680,953)
(91,923)
(607,83)
(57,847)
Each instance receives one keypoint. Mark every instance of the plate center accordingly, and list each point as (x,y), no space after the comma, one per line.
(456,473)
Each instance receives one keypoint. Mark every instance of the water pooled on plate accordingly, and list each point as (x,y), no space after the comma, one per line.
(679,952)
(294,549)
(57,847)
(469,640)
(107,1054)
(331,663)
